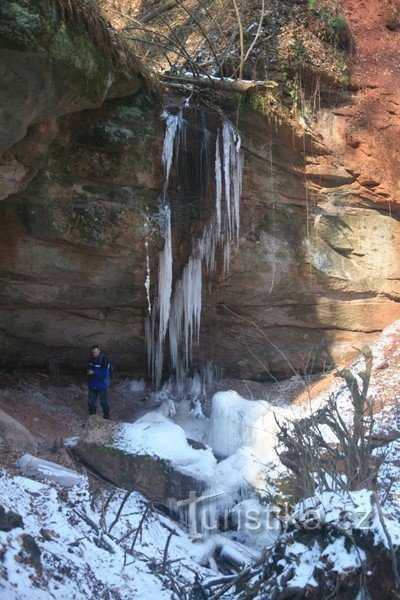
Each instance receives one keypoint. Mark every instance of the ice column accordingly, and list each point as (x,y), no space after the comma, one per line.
(176,311)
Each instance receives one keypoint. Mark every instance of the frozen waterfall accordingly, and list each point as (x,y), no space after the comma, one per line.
(175,313)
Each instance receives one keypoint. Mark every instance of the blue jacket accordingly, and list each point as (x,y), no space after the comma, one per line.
(100,380)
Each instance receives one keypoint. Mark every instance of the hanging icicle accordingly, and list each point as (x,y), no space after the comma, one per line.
(176,312)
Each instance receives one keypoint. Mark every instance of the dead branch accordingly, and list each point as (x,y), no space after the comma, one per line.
(239,86)
(119,511)
(153,14)
(241,37)
(101,542)
(204,33)
(388,537)
(166,550)
(140,526)
(87,520)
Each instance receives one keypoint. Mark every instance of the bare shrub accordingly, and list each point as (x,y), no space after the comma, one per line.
(325,450)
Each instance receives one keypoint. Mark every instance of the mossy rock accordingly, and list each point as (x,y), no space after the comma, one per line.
(50,67)
(157,478)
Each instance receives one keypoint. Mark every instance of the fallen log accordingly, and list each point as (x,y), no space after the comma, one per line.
(153,14)
(238,86)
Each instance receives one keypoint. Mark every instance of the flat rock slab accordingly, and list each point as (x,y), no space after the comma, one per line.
(41,469)
(151,456)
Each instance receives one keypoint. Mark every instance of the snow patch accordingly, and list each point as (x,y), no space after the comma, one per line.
(155,435)
(237,422)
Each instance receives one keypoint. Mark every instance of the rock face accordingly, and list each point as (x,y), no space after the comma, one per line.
(317,269)
(151,456)
(51,64)
(15,435)
(73,243)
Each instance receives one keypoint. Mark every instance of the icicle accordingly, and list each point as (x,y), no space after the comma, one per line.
(164,293)
(237,161)
(147,283)
(175,326)
(165,275)
(177,308)
(218,184)
(168,147)
(226,140)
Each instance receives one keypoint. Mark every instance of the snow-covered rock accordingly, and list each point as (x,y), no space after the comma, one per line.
(151,455)
(237,422)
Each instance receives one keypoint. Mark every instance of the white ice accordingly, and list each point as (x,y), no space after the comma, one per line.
(177,307)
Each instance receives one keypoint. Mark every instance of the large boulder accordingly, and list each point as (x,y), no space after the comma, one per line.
(151,456)
(15,435)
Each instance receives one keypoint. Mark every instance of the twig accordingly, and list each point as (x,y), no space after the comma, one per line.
(206,37)
(241,37)
(388,537)
(140,526)
(119,511)
(166,550)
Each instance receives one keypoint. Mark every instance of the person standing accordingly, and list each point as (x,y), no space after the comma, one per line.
(98,374)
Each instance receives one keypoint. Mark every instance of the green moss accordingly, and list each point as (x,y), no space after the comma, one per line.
(75,60)
(22,24)
(279,219)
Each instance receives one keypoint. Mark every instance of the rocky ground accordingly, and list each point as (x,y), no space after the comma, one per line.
(53,408)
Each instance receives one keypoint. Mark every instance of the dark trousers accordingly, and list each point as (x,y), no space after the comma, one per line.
(92,400)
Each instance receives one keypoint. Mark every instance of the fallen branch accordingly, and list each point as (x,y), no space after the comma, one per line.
(153,14)
(125,498)
(87,520)
(164,563)
(238,86)
(242,575)
(140,526)
(101,542)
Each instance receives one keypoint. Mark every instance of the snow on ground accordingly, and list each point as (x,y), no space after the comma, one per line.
(384,388)
(384,393)
(76,563)
(81,556)
(330,541)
